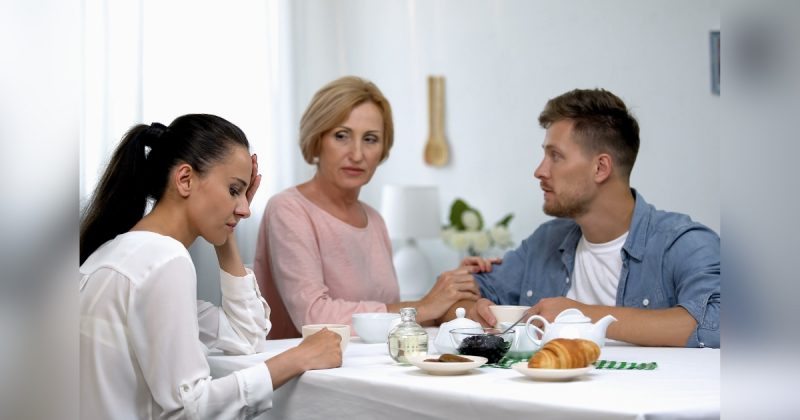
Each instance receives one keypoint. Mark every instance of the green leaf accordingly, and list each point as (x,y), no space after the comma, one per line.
(456,209)
(480,219)
(506,220)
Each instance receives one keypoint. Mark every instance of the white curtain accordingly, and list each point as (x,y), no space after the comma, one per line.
(154,60)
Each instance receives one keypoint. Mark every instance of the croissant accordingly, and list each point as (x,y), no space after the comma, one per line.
(565,353)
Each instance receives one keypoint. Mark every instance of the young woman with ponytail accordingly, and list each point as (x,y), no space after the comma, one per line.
(143,334)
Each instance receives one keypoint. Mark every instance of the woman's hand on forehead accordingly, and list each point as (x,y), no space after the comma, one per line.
(255,179)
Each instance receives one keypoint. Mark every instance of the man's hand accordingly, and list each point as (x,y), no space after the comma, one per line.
(645,327)
(480,312)
(549,308)
(479,264)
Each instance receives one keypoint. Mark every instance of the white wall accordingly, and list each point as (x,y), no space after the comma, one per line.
(217,62)
(153,60)
(502,60)
(259,63)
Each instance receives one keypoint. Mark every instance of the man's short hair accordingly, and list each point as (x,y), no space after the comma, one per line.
(602,124)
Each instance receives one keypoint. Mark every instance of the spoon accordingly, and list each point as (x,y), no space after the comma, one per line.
(436,151)
(525,315)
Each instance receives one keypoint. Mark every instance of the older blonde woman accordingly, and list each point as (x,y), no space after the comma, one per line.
(323,255)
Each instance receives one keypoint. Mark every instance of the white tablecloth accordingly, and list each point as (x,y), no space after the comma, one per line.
(369,385)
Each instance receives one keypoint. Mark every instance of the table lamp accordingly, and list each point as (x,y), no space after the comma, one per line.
(411,213)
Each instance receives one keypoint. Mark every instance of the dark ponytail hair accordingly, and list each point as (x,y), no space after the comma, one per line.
(140,167)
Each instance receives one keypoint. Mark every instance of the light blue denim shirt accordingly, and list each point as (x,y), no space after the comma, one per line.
(668,260)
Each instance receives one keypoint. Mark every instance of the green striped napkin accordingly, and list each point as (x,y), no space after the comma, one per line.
(506,362)
(611,364)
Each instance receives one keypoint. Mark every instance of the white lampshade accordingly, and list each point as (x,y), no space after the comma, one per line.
(411,211)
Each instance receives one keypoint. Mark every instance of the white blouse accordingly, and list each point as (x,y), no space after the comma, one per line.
(144,336)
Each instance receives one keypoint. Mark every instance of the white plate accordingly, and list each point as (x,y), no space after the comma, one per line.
(443,368)
(550,374)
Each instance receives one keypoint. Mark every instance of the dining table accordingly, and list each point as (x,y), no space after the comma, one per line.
(685,384)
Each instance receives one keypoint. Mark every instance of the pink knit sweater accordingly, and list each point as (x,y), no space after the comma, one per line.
(314,268)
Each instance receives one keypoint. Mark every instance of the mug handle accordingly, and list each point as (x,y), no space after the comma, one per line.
(528,327)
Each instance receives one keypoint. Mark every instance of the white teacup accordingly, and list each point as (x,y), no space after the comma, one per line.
(507,313)
(373,327)
(341,329)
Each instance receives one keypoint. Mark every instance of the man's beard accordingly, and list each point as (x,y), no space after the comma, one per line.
(570,207)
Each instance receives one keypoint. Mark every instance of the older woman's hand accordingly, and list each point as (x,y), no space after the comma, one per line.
(450,287)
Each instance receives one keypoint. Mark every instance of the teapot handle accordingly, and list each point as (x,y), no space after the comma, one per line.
(528,327)
(452,340)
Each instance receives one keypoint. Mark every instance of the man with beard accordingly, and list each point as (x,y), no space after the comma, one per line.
(608,251)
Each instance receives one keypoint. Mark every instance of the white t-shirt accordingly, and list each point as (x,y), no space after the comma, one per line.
(596,274)
(144,336)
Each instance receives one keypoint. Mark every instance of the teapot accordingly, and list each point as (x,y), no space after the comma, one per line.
(570,323)
(443,341)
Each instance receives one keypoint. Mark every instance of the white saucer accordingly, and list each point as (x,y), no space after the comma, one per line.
(444,368)
(550,374)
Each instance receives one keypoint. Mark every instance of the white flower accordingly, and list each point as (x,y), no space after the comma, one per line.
(470,220)
(501,236)
(480,242)
(460,241)
(447,234)
(465,234)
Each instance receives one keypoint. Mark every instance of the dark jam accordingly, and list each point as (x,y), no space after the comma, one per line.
(492,347)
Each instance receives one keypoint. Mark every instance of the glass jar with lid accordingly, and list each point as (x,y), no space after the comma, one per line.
(407,338)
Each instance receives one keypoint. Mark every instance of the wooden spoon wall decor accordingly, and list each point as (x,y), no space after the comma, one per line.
(436,150)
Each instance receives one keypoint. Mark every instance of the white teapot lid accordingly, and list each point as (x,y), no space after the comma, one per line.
(443,341)
(572,316)
(459,322)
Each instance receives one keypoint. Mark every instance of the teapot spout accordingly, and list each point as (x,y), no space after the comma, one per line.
(601,325)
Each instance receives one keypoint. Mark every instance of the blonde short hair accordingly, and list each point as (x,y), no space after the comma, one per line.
(332,104)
